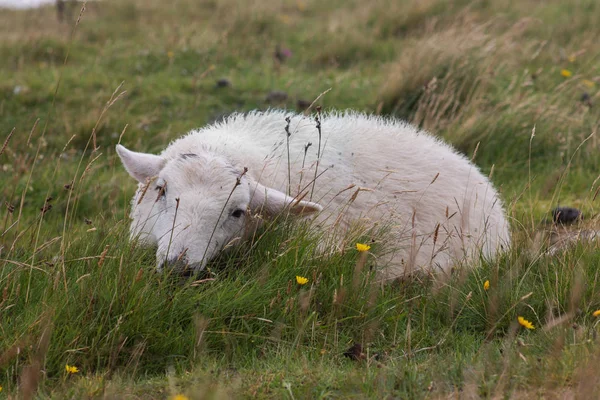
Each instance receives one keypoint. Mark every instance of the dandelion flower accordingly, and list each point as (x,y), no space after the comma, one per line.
(525,323)
(362,247)
(486,285)
(71,369)
(180,397)
(596,313)
(0,388)
(170,54)
(589,83)
(301,280)
(566,73)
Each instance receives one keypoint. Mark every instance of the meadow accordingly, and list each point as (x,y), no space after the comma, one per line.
(511,84)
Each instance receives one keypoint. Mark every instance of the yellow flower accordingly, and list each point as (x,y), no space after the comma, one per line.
(566,73)
(596,313)
(589,83)
(170,54)
(71,369)
(572,58)
(486,285)
(0,388)
(362,247)
(301,280)
(180,397)
(525,323)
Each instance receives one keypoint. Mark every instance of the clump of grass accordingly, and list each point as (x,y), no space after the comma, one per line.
(432,78)
(455,91)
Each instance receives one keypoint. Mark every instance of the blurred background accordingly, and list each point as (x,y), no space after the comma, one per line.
(480,74)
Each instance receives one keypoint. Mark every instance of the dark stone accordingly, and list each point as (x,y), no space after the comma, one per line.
(586,99)
(221,83)
(566,215)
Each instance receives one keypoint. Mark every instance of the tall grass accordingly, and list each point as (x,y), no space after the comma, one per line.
(483,75)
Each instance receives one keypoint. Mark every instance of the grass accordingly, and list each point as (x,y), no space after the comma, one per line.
(483,75)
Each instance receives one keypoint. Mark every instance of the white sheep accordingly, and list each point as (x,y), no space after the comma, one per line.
(435,206)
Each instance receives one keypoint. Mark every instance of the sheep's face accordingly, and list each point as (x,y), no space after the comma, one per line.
(200,208)
(194,205)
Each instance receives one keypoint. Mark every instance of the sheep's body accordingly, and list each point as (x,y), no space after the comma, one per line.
(437,207)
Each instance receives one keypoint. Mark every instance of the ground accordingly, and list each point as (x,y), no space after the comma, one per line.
(514,85)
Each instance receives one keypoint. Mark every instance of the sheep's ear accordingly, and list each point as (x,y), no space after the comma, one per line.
(272,202)
(140,166)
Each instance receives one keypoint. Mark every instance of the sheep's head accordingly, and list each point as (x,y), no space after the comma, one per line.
(193,205)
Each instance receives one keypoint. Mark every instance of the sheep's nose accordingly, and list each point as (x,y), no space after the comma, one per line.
(182,266)
(178,265)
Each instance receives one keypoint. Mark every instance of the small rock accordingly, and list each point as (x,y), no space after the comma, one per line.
(586,99)
(276,96)
(566,215)
(221,83)
(303,104)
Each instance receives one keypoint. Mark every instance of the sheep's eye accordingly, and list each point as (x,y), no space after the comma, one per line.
(237,213)
(161,192)
(161,188)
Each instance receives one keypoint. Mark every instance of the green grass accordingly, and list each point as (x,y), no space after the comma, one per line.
(481,74)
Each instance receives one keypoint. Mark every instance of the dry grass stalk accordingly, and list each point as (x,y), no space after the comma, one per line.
(6,141)
(103,256)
